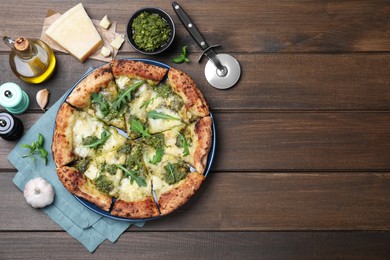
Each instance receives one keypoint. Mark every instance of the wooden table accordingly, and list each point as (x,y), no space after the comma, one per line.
(303,152)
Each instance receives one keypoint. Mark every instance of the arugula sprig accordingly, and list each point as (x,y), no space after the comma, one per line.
(133,176)
(125,96)
(36,148)
(157,156)
(183,143)
(94,142)
(138,127)
(154,114)
(103,105)
(182,57)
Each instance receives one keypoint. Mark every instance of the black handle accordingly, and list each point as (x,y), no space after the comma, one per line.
(190,26)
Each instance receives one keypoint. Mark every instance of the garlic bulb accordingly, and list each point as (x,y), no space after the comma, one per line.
(38,193)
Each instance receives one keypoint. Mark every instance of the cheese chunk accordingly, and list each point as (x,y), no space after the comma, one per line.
(105,22)
(105,52)
(75,32)
(117,43)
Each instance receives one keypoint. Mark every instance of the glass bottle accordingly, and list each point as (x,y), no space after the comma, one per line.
(31,60)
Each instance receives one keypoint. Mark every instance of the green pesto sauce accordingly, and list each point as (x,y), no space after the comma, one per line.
(82,165)
(150,31)
(103,184)
(156,141)
(134,161)
(175,172)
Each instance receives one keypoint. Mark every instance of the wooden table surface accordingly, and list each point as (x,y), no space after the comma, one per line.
(302,166)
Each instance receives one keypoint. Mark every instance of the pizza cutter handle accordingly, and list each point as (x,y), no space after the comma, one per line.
(207,50)
(190,26)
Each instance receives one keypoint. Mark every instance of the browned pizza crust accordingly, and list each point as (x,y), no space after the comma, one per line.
(203,133)
(146,208)
(93,83)
(76,183)
(176,197)
(62,146)
(137,69)
(186,88)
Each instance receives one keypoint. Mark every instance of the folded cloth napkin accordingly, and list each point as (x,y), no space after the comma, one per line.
(88,227)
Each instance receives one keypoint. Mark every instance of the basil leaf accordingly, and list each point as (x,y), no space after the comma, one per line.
(157,156)
(36,149)
(133,177)
(102,104)
(125,96)
(159,115)
(137,126)
(94,143)
(40,140)
(182,56)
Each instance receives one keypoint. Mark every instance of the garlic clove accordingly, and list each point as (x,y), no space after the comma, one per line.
(42,98)
(38,193)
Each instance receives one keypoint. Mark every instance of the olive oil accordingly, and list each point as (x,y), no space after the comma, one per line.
(31,60)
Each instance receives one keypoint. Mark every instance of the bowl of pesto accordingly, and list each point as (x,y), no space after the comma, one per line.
(150,30)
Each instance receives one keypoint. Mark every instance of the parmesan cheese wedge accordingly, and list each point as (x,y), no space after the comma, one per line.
(75,32)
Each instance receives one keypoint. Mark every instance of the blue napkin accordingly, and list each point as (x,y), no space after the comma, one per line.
(88,227)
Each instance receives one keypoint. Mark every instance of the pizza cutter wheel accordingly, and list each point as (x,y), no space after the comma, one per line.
(222,71)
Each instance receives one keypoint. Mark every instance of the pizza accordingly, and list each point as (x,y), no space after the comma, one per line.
(133,139)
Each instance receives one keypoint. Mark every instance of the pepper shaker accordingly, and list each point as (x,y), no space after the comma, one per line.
(11,128)
(13,98)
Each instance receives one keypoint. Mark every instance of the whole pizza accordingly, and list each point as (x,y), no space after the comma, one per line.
(158,164)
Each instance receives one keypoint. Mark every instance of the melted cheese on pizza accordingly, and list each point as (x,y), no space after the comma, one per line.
(85,126)
(132,192)
(160,125)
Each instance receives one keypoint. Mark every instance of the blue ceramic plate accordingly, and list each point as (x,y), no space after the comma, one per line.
(208,165)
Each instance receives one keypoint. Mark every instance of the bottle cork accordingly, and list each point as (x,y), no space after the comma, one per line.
(22,44)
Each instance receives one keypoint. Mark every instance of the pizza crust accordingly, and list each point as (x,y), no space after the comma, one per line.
(93,83)
(62,146)
(76,183)
(186,88)
(181,193)
(146,208)
(203,133)
(138,70)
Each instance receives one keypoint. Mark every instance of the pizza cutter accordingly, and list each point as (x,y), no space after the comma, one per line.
(222,71)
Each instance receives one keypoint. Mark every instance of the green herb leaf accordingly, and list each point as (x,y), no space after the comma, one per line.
(98,99)
(138,127)
(133,176)
(40,140)
(184,144)
(125,96)
(157,156)
(94,142)
(36,148)
(147,102)
(159,115)
(182,56)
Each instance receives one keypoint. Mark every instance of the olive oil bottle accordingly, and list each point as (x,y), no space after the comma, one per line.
(31,60)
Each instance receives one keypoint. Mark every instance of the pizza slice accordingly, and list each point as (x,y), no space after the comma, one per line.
(191,143)
(95,95)
(135,81)
(134,196)
(79,135)
(194,101)
(173,181)
(78,184)
(95,179)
